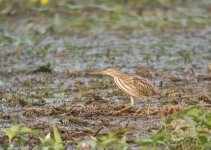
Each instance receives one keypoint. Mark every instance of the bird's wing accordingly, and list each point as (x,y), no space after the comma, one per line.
(144,86)
(127,85)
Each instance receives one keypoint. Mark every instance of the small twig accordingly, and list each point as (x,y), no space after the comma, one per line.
(98,131)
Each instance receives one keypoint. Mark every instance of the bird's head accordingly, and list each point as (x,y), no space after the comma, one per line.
(110,71)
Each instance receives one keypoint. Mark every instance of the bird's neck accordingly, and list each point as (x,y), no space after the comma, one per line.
(120,74)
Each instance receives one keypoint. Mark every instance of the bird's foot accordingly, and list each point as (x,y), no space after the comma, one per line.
(124,109)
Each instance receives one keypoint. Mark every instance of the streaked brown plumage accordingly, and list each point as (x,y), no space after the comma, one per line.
(135,86)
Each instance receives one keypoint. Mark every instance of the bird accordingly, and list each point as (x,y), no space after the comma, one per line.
(133,85)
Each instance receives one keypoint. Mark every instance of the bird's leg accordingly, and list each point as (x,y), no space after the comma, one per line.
(131,101)
(149,104)
(128,107)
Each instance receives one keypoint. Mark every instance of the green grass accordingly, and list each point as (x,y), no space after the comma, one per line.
(17,138)
(186,130)
(125,15)
(194,133)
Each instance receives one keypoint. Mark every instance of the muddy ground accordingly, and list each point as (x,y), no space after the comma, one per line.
(45,80)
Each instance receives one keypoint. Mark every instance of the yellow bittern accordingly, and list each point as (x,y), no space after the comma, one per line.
(135,86)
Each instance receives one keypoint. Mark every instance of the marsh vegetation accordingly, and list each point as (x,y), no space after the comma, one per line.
(48,97)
